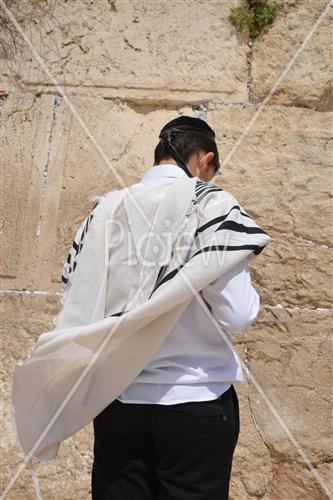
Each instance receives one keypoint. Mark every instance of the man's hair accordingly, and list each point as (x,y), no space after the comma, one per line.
(187,143)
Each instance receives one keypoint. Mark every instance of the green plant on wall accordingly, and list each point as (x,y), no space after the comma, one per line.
(254,16)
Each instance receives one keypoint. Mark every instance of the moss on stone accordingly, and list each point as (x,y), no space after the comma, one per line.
(254,16)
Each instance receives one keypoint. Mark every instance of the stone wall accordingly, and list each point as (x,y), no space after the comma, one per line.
(128,67)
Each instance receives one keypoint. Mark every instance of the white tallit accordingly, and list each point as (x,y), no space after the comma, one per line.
(90,357)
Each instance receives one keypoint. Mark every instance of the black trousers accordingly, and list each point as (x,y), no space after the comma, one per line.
(182,451)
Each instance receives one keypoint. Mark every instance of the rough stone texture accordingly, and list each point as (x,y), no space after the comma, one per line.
(24,317)
(294,369)
(130,67)
(136,47)
(251,469)
(51,186)
(309,81)
(22,166)
(285,161)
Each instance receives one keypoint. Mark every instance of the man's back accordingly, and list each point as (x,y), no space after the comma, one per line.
(194,363)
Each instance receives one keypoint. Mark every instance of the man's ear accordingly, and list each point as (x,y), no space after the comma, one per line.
(209,157)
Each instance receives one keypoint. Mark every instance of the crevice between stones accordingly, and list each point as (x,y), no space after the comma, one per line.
(27,291)
(56,104)
(249,71)
(145,105)
(294,308)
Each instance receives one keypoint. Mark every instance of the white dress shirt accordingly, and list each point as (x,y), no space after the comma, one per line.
(195,363)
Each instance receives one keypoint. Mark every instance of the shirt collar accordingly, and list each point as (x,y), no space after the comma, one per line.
(162,171)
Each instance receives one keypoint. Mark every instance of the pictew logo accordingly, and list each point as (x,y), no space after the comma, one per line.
(149,248)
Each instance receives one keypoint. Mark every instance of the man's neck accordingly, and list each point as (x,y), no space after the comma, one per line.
(167,162)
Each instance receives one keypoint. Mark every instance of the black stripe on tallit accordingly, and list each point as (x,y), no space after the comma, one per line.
(220,218)
(160,272)
(77,246)
(210,190)
(207,188)
(256,248)
(167,278)
(118,314)
(206,185)
(200,187)
(260,249)
(235,226)
(200,184)
(200,190)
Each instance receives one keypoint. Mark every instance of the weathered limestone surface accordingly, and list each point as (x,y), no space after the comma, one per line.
(129,67)
(137,47)
(22,167)
(24,317)
(289,353)
(308,83)
(282,173)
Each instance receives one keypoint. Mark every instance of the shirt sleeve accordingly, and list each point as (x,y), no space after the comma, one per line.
(232,299)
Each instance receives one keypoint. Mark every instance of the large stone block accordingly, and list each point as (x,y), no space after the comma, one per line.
(26,123)
(55,164)
(281,173)
(283,165)
(289,352)
(308,82)
(59,166)
(293,272)
(134,49)
(251,467)
(25,316)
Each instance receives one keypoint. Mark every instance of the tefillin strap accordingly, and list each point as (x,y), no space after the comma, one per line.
(167,138)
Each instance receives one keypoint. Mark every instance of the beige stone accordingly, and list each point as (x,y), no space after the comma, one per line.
(135,48)
(281,173)
(25,132)
(294,273)
(283,164)
(289,353)
(308,82)
(25,316)
(51,169)
(251,468)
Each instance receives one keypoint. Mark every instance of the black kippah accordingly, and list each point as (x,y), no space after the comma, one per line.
(188,123)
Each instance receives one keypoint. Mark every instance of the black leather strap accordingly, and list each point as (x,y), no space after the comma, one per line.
(175,155)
